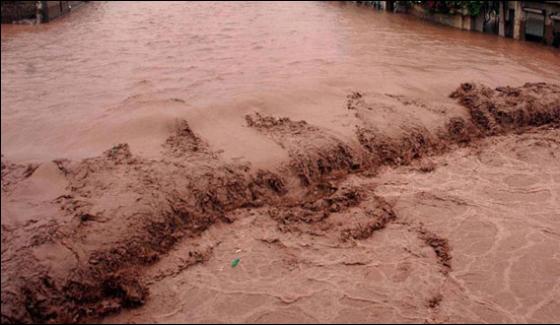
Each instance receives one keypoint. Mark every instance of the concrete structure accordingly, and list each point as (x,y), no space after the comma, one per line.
(55,9)
(537,21)
(540,21)
(13,11)
(36,11)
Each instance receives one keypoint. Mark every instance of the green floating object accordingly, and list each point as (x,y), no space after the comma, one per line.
(235,262)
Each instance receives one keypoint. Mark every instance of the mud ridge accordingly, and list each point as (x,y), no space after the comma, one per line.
(312,212)
(354,100)
(378,219)
(13,173)
(505,109)
(315,154)
(440,246)
(122,213)
(184,141)
(153,205)
(385,151)
(336,216)
(491,112)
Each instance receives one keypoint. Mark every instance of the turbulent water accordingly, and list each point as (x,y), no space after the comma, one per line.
(120,72)
(359,166)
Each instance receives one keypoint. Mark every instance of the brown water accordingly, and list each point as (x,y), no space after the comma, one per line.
(390,202)
(123,72)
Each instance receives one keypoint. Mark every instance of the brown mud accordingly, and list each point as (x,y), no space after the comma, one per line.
(121,213)
(111,218)
(14,173)
(466,240)
(315,154)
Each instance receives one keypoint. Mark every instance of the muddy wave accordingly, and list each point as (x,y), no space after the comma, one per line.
(121,213)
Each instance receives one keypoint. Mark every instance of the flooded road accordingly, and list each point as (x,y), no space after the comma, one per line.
(357,166)
(123,72)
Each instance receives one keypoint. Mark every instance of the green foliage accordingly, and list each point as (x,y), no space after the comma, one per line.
(473,8)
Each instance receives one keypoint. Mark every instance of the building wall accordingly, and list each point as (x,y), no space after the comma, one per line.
(457,20)
(549,9)
(17,10)
(13,11)
(523,21)
(51,10)
(556,31)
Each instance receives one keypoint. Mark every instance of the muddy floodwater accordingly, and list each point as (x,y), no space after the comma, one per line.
(363,166)
(118,72)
